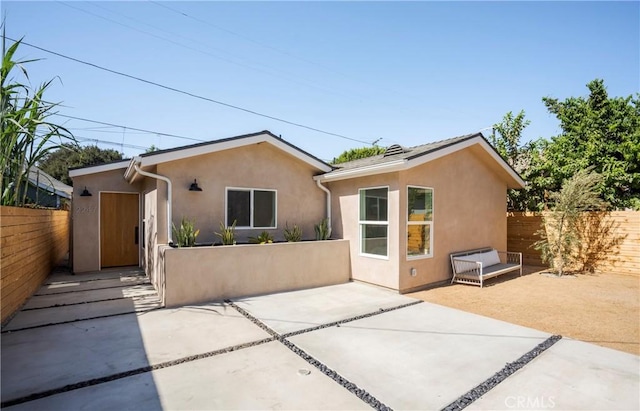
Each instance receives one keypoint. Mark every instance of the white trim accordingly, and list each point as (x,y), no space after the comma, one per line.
(430,223)
(361,223)
(389,167)
(251,190)
(99,169)
(404,164)
(214,146)
(100,219)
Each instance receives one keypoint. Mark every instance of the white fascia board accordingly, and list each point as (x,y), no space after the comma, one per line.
(231,144)
(98,169)
(364,171)
(461,146)
(406,164)
(131,173)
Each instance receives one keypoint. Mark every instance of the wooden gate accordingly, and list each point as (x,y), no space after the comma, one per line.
(119,216)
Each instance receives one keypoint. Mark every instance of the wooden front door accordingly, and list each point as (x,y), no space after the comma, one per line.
(118,229)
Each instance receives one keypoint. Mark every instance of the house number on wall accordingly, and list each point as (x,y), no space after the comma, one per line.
(86,210)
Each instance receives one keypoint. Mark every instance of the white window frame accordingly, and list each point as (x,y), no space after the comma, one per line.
(427,223)
(251,190)
(361,223)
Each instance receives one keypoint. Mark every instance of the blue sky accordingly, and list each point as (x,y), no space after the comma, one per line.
(402,72)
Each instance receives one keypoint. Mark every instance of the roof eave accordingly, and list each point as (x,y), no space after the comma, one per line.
(382,168)
(98,169)
(264,137)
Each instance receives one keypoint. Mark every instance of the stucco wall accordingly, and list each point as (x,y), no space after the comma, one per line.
(201,274)
(299,200)
(345,215)
(469,212)
(86,215)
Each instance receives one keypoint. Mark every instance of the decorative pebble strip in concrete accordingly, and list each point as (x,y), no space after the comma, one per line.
(351,387)
(125,374)
(348,320)
(86,302)
(477,392)
(79,319)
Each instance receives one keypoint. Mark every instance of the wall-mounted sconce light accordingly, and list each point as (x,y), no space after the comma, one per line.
(85,193)
(194,186)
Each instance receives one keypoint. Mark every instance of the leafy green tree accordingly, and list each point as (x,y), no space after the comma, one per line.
(560,233)
(358,153)
(597,131)
(152,149)
(26,134)
(506,140)
(57,163)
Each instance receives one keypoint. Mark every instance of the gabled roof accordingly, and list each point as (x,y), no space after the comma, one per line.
(179,153)
(404,158)
(99,168)
(46,182)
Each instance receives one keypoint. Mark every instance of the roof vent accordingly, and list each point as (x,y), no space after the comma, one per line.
(393,150)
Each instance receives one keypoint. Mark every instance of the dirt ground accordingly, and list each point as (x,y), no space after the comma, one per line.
(603,309)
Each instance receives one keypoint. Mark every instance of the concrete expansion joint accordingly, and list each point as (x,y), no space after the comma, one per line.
(509,369)
(130,373)
(79,319)
(87,302)
(79,280)
(351,319)
(92,289)
(369,399)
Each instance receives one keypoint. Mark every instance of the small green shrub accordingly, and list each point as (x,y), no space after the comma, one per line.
(263,238)
(185,236)
(323,231)
(292,235)
(227,234)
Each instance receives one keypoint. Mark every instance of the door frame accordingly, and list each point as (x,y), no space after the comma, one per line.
(100,218)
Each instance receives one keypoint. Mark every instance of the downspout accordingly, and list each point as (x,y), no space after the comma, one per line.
(326,190)
(166,180)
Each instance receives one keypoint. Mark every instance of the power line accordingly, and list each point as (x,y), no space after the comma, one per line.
(190,94)
(287,75)
(104,123)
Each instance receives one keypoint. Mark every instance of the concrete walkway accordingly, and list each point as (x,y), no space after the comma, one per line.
(343,347)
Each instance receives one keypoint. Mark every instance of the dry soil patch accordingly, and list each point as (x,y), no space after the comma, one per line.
(603,309)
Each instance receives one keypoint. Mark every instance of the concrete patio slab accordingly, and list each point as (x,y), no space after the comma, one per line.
(66,313)
(570,375)
(76,284)
(267,376)
(408,356)
(420,357)
(65,275)
(298,310)
(45,358)
(100,294)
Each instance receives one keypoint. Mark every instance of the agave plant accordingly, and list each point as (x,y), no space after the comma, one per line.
(292,235)
(227,234)
(323,231)
(185,235)
(26,135)
(263,238)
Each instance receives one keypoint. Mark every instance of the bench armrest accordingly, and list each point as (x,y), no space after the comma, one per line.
(511,257)
(464,266)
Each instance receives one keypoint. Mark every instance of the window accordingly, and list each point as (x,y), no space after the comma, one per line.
(419,222)
(374,221)
(251,208)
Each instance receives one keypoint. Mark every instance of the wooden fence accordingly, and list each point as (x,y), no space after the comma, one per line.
(621,228)
(32,241)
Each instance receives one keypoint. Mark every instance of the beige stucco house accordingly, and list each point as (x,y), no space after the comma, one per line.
(396,216)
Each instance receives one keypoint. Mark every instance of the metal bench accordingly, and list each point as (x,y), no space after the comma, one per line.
(475,266)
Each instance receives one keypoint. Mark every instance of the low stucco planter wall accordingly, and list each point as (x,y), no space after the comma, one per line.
(201,274)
